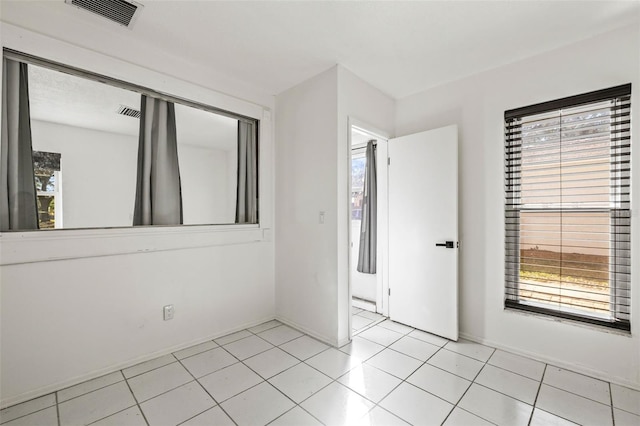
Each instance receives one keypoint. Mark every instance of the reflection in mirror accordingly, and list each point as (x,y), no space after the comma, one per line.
(77,118)
(85,154)
(207,153)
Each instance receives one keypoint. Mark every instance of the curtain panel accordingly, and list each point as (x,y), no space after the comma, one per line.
(18,202)
(158,193)
(247,189)
(368,226)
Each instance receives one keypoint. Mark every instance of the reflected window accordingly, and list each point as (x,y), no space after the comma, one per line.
(48,181)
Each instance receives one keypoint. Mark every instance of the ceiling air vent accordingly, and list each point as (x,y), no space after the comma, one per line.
(120,11)
(128,111)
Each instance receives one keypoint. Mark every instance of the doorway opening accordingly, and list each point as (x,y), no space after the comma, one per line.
(367,230)
(414,244)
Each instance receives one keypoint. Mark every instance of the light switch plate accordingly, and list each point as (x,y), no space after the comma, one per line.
(168,312)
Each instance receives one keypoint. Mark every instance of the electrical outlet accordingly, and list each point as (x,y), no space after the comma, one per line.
(168,312)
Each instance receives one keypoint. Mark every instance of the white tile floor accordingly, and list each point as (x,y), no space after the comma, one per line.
(390,374)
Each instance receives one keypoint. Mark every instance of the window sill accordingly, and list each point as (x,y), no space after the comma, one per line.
(568,321)
(55,245)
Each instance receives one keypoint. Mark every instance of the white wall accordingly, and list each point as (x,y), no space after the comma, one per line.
(312,156)
(306,182)
(98,173)
(75,304)
(99,177)
(477,106)
(204,175)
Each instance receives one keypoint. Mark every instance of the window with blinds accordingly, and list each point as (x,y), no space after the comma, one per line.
(567,209)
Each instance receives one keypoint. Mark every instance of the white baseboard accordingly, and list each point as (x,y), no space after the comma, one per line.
(556,362)
(329,341)
(120,366)
(363,304)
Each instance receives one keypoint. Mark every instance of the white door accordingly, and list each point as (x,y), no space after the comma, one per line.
(423,217)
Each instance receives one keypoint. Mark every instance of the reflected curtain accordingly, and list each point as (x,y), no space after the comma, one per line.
(368,229)
(18,202)
(158,194)
(247,189)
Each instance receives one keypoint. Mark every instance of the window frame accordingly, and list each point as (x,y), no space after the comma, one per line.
(143,90)
(513,206)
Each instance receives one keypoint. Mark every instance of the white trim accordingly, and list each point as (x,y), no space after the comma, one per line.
(354,122)
(382,282)
(328,340)
(553,361)
(363,304)
(55,245)
(121,366)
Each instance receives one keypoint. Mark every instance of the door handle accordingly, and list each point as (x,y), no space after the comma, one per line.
(447,244)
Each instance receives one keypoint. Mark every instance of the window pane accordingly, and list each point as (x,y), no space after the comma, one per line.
(564,261)
(566,161)
(358,165)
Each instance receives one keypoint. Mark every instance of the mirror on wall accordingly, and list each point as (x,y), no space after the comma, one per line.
(85,137)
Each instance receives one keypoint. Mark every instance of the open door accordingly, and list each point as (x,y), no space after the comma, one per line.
(423,231)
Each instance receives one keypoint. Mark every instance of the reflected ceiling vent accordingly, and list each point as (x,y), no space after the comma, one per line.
(120,11)
(128,111)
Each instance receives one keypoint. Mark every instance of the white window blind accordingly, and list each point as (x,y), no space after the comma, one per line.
(567,209)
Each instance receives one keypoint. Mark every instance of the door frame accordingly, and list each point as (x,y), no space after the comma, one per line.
(382,259)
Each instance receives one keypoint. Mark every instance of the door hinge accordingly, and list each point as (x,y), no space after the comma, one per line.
(389,292)
(388,161)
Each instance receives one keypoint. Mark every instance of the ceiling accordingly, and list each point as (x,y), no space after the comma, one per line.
(65,99)
(400,47)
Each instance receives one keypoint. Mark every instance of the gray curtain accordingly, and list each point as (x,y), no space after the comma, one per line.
(368,229)
(158,194)
(247,190)
(18,197)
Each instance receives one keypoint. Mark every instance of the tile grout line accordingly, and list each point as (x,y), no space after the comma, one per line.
(361,362)
(197,353)
(217,404)
(57,408)
(139,374)
(542,383)
(373,323)
(96,389)
(241,361)
(377,404)
(468,387)
(474,381)
(515,372)
(96,378)
(535,401)
(208,409)
(295,404)
(411,384)
(613,416)
(55,404)
(340,376)
(267,380)
(113,414)
(577,394)
(136,400)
